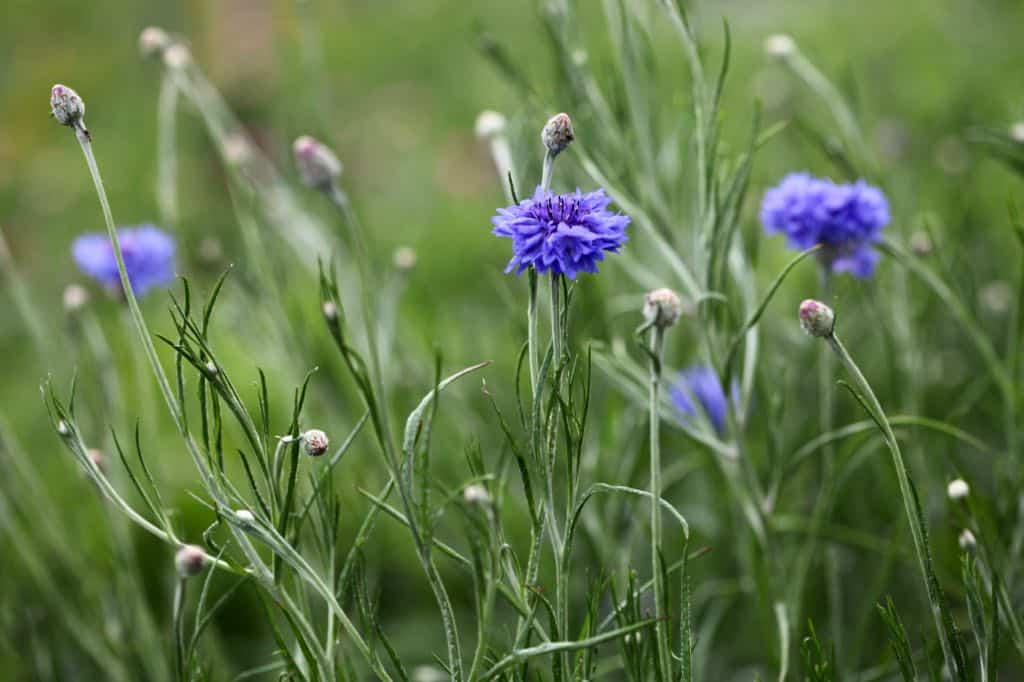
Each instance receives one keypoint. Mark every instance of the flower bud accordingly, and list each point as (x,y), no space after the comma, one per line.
(67,107)
(318,166)
(967,541)
(75,297)
(97,459)
(153,40)
(921,243)
(315,442)
(212,368)
(958,489)
(405,258)
(245,517)
(490,124)
(779,45)
(476,494)
(189,561)
(177,56)
(557,134)
(63,428)
(1017,131)
(662,308)
(816,318)
(330,310)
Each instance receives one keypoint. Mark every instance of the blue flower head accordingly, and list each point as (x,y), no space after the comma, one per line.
(563,233)
(148,257)
(700,383)
(846,219)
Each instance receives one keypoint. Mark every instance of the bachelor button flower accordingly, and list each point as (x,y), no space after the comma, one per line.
(702,384)
(564,233)
(148,257)
(846,219)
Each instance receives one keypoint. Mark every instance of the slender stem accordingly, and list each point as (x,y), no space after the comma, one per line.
(661,626)
(910,504)
(531,333)
(546,172)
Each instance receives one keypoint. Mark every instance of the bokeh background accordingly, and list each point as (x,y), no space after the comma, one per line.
(394,86)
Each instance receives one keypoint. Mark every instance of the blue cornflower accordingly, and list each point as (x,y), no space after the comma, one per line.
(563,233)
(701,383)
(148,257)
(846,218)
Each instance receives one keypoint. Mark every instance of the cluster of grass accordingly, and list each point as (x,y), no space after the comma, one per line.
(485,510)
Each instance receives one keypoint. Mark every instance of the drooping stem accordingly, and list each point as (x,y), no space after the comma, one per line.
(661,626)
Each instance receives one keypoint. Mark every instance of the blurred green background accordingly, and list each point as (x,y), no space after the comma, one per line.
(394,86)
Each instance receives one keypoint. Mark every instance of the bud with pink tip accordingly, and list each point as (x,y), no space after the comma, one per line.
(318,166)
(662,308)
(68,108)
(816,318)
(97,459)
(315,442)
(189,561)
(558,134)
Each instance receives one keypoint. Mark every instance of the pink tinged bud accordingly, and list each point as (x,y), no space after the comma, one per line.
(816,318)
(662,308)
(97,459)
(67,107)
(318,166)
(557,134)
(315,442)
(189,561)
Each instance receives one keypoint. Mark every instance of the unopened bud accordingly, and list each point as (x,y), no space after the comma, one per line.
(330,310)
(920,243)
(490,124)
(245,517)
(211,367)
(958,489)
(97,459)
(152,40)
(177,56)
(476,494)
(75,297)
(779,45)
(63,428)
(67,107)
(1017,131)
(315,442)
(318,166)
(662,308)
(816,318)
(405,258)
(557,134)
(967,541)
(189,561)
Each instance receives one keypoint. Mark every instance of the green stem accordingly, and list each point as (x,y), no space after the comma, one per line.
(531,332)
(660,626)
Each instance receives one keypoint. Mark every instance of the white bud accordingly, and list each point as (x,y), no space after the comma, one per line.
(315,442)
(330,310)
(557,133)
(63,428)
(152,40)
(490,124)
(177,56)
(236,148)
(816,318)
(1017,131)
(67,107)
(405,258)
(779,45)
(967,541)
(662,308)
(428,673)
(189,561)
(996,296)
(476,494)
(75,297)
(211,367)
(245,517)
(318,166)
(958,489)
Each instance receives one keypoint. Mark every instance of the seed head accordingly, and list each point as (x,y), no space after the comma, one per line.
(75,297)
(405,258)
(476,494)
(662,308)
(967,541)
(779,45)
(315,442)
(958,489)
(189,561)
(557,134)
(490,124)
(67,107)
(816,318)
(318,166)
(153,40)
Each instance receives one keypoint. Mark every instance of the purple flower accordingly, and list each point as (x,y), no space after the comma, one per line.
(847,219)
(700,383)
(148,257)
(564,233)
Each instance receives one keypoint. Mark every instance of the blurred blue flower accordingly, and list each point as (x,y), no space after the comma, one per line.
(847,219)
(701,383)
(148,257)
(564,233)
